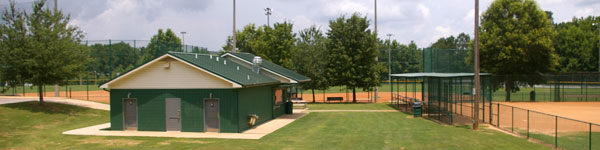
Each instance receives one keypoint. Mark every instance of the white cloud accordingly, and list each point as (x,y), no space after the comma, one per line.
(209,22)
(584,12)
(424,10)
(335,8)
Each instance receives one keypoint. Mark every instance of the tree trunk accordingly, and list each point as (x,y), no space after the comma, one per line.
(354,95)
(313,92)
(508,88)
(41,93)
(323,96)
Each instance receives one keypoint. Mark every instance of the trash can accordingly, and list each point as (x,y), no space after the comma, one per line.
(532,96)
(289,107)
(417,109)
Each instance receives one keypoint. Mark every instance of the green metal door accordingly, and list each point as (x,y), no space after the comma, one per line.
(211,115)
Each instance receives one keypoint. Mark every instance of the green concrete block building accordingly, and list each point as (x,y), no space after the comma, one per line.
(191,92)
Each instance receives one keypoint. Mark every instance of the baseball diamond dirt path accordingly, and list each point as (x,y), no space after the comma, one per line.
(542,116)
(88,104)
(104,96)
(584,111)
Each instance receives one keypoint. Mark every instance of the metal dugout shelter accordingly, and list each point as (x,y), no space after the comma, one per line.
(446,97)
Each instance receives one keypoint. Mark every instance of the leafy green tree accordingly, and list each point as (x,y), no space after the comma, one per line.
(160,44)
(249,34)
(460,42)
(49,50)
(516,39)
(201,50)
(308,58)
(107,58)
(13,46)
(351,52)
(272,44)
(405,58)
(577,45)
(445,43)
(280,42)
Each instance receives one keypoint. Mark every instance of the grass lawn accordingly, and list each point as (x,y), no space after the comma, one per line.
(28,126)
(350,106)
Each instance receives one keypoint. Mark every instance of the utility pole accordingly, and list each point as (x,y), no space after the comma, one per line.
(56,87)
(268,13)
(477,82)
(233,43)
(183,41)
(390,62)
(376,59)
(598,24)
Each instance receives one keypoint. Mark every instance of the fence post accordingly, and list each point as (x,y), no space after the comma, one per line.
(70,92)
(498,115)
(512,119)
(110,58)
(87,87)
(555,131)
(590,136)
(23,89)
(528,123)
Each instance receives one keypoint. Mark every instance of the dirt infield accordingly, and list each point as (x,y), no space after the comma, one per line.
(97,96)
(360,96)
(584,111)
(573,116)
(104,96)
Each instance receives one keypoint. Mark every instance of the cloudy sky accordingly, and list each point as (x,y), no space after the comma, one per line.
(209,22)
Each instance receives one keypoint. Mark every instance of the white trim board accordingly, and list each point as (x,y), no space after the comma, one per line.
(107,85)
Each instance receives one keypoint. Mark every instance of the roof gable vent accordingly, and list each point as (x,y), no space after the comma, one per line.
(256,64)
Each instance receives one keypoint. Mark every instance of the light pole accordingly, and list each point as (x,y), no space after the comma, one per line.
(598,24)
(390,61)
(268,14)
(233,43)
(376,59)
(183,40)
(477,83)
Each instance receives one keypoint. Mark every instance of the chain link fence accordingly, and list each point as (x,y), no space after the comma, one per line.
(564,87)
(561,132)
(110,58)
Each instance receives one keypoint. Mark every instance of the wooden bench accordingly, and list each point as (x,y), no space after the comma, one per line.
(335,99)
(299,101)
(366,100)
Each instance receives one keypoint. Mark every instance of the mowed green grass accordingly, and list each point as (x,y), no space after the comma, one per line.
(28,126)
(350,106)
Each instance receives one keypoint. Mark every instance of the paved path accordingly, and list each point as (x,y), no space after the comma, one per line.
(254,133)
(82,103)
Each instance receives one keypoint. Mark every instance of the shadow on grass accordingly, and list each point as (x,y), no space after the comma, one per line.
(47,107)
(395,107)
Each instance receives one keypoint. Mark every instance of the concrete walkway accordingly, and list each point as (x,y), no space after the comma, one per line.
(254,133)
(81,103)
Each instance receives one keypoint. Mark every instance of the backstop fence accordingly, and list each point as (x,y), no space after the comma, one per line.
(445,60)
